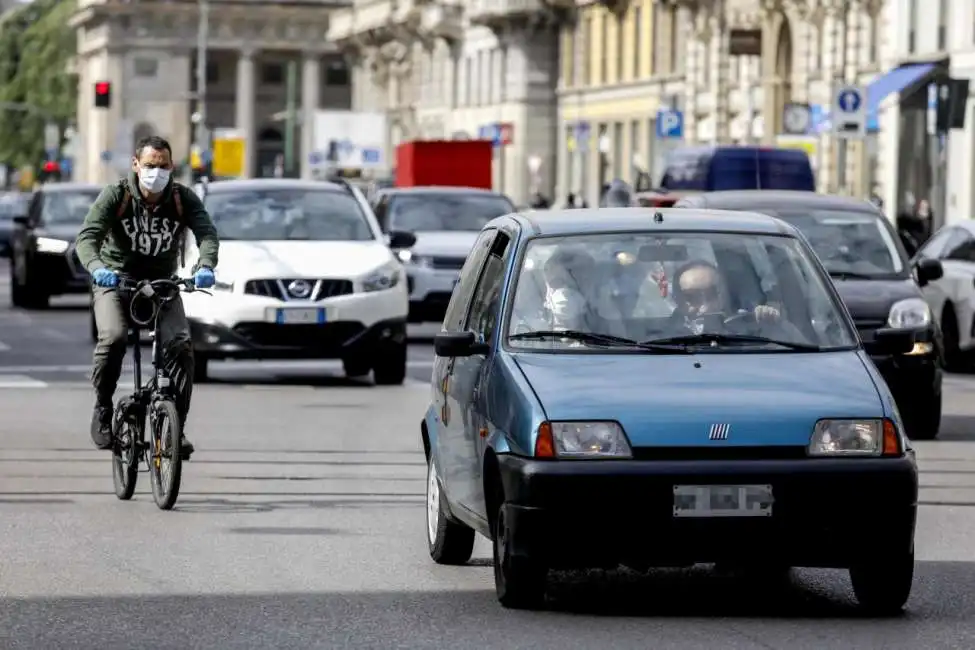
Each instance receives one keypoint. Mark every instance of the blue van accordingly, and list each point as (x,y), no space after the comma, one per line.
(712,169)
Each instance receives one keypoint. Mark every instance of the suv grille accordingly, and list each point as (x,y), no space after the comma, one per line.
(298,288)
(448,263)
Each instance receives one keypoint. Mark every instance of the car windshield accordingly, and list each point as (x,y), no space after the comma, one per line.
(454,211)
(660,292)
(67,207)
(847,242)
(282,214)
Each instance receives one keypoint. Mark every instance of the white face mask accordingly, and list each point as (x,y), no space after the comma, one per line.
(154,179)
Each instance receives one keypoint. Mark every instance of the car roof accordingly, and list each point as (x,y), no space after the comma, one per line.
(600,220)
(272,184)
(50,188)
(438,189)
(777,199)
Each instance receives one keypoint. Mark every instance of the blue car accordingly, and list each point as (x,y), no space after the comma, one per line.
(582,415)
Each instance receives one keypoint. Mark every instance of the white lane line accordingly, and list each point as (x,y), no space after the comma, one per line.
(20,381)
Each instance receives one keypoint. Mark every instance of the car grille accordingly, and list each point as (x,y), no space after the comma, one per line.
(867,326)
(448,263)
(329,337)
(279,288)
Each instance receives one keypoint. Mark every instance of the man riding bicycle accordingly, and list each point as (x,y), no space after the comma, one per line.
(135,228)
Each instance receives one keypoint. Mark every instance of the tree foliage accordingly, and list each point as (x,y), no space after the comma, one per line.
(36,48)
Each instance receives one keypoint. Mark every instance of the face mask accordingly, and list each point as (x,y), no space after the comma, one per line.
(154,179)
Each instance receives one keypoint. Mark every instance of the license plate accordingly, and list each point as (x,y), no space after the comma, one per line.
(723,500)
(296,316)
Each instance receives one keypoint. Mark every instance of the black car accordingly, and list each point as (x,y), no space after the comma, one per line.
(43,261)
(12,205)
(867,262)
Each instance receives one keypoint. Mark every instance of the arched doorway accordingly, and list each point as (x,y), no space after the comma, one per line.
(782,91)
(270,145)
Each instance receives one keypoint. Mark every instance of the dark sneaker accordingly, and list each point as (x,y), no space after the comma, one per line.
(101,427)
(186,448)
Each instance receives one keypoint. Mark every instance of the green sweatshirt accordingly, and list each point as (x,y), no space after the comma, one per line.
(144,241)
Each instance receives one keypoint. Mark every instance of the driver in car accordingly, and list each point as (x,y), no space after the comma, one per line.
(699,291)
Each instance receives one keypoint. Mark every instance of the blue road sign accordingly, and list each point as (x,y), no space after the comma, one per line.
(670,124)
(849,100)
(370,156)
(106,156)
(66,164)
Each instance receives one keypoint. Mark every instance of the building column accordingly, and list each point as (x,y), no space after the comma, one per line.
(245,100)
(311,74)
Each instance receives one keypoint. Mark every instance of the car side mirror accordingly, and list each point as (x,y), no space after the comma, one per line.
(893,341)
(458,344)
(400,239)
(928,270)
(21,220)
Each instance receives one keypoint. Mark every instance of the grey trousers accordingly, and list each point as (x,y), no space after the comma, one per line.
(111,322)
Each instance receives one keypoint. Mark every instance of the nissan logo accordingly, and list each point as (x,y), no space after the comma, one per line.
(299,288)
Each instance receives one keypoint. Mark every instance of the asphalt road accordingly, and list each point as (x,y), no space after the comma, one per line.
(301,525)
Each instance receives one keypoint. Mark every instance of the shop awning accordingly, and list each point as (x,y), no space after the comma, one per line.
(895,82)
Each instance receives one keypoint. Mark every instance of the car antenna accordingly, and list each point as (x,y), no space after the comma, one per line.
(658,217)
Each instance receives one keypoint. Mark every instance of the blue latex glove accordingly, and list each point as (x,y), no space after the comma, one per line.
(105,277)
(203,278)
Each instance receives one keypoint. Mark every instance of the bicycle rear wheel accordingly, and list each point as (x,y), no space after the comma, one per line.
(125,455)
(165,460)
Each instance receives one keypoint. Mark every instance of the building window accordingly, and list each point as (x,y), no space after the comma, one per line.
(655,38)
(272,74)
(569,68)
(621,48)
(943,26)
(874,52)
(637,43)
(213,72)
(146,67)
(912,27)
(604,63)
(336,73)
(676,60)
(587,71)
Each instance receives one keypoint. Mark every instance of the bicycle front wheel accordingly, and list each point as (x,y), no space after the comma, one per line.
(165,460)
(125,455)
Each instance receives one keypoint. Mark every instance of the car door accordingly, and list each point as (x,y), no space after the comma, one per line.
(450,423)
(470,375)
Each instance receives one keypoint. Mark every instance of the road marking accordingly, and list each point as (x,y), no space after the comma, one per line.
(20,381)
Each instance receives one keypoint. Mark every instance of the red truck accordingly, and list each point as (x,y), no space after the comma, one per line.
(454,163)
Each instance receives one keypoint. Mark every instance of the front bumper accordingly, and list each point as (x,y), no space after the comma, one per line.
(826,513)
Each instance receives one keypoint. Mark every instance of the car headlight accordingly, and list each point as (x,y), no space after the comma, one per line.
(48,245)
(408,258)
(874,437)
(581,440)
(385,277)
(908,314)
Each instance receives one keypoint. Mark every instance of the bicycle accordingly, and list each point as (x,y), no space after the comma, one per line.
(150,403)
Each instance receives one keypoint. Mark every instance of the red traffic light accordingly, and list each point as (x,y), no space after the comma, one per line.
(51,167)
(103,88)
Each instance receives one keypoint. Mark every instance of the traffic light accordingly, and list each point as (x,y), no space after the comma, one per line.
(50,172)
(103,94)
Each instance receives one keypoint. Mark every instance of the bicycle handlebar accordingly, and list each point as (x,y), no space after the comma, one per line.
(149,290)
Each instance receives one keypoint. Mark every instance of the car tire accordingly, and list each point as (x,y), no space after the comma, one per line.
(450,542)
(389,366)
(201,369)
(882,587)
(355,367)
(519,581)
(923,418)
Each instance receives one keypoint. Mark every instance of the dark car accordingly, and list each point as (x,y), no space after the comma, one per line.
(12,205)
(43,261)
(881,289)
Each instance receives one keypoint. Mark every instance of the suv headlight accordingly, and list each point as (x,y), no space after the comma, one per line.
(49,245)
(385,277)
(581,440)
(909,314)
(874,437)
(407,257)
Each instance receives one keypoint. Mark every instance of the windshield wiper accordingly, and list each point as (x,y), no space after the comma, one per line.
(607,340)
(716,339)
(851,275)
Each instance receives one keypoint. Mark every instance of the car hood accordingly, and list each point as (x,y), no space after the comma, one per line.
(309,259)
(444,243)
(872,299)
(63,231)
(672,400)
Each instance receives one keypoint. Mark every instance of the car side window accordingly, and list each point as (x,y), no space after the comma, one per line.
(456,316)
(486,302)
(960,247)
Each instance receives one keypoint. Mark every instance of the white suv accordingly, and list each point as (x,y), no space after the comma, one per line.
(304,273)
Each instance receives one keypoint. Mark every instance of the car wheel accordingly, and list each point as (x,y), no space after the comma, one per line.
(354,367)
(389,368)
(450,542)
(201,369)
(518,580)
(923,418)
(883,586)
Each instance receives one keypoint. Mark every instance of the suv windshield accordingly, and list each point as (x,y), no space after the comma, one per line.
(855,243)
(67,207)
(719,291)
(281,214)
(454,211)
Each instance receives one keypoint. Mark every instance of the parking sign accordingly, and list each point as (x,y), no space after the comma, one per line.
(670,124)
